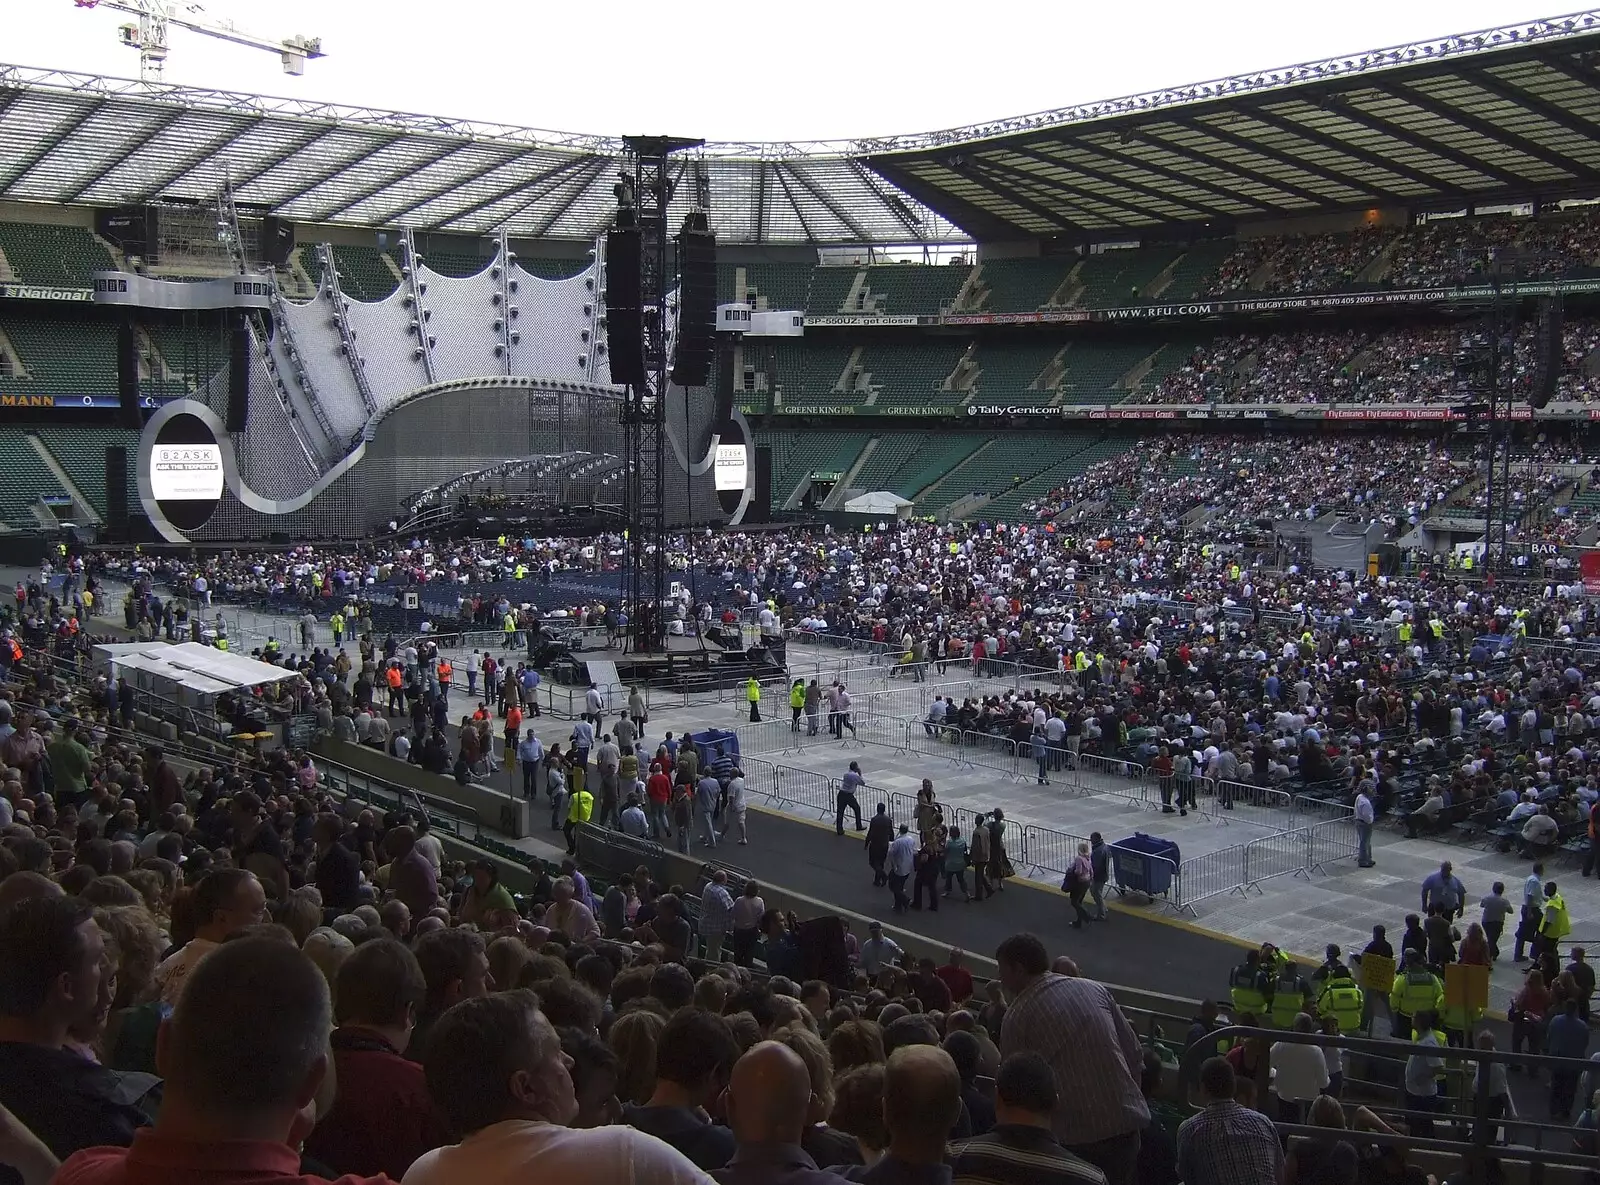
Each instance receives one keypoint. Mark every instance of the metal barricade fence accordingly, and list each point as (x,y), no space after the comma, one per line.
(940,741)
(1044,849)
(985,750)
(1309,810)
(808,790)
(904,703)
(1211,875)
(1283,854)
(1228,801)
(1113,776)
(1334,839)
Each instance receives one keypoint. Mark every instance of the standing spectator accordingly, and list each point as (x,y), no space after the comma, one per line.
(411,877)
(1566,1036)
(1022,1149)
(245,1056)
(880,834)
(1302,1072)
(1076,1025)
(1496,909)
(1365,817)
(899,866)
(1227,1144)
(736,808)
(847,798)
(878,952)
(1422,1075)
(956,977)
(716,914)
(52,967)
(694,1057)
(1100,869)
(1582,972)
(1444,890)
(501,1078)
(455,967)
(746,921)
(225,902)
(382,1118)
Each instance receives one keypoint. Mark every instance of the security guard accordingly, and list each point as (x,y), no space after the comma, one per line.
(1343,1000)
(336,624)
(752,693)
(1416,990)
(1457,1023)
(1555,924)
(1291,995)
(1249,987)
(271,648)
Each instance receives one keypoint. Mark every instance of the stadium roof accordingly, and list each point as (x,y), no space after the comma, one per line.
(1505,114)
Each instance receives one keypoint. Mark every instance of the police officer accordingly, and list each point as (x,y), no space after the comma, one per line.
(1249,987)
(1555,924)
(1416,990)
(1343,1000)
(1291,995)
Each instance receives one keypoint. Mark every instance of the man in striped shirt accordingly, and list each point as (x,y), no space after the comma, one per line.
(1021,1149)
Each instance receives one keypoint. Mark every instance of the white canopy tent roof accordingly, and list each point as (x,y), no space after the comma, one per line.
(193,666)
(878,502)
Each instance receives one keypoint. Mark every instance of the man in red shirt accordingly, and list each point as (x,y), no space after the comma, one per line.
(956,977)
(245,1057)
(659,789)
(382,1119)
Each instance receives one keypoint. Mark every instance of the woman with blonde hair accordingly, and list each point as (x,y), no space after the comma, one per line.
(822,1143)
(633,1039)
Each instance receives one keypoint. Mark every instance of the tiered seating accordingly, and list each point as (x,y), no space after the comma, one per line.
(910,373)
(207,356)
(1093,368)
(448,263)
(27,479)
(821,365)
(1116,278)
(1005,372)
(553,269)
(797,455)
(1011,506)
(938,456)
(65,359)
(783,285)
(904,289)
(81,451)
(828,289)
(57,256)
(1010,459)
(363,274)
(1193,271)
(1021,285)
(889,459)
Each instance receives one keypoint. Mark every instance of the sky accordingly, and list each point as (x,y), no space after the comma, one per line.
(747,70)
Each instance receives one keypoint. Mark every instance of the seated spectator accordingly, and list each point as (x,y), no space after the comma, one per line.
(769,1101)
(382,1118)
(694,1056)
(1022,1149)
(822,1143)
(921,1103)
(455,966)
(1227,1144)
(497,1071)
(225,902)
(245,1057)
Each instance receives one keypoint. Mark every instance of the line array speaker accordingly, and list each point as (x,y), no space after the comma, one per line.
(624,328)
(277,240)
(697,306)
(1551,355)
(761,505)
(129,415)
(239,378)
(117,490)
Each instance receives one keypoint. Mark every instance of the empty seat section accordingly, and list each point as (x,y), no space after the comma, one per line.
(823,378)
(57,256)
(1008,370)
(553,269)
(1020,285)
(798,455)
(1008,458)
(27,478)
(912,372)
(457,264)
(61,358)
(1113,279)
(829,288)
(1093,368)
(780,285)
(81,451)
(888,460)
(364,273)
(907,289)
(937,457)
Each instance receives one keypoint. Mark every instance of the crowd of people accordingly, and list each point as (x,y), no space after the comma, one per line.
(1441,252)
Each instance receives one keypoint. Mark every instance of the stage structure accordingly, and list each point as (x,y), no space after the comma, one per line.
(644,193)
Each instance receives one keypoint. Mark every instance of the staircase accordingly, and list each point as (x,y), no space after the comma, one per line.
(82,508)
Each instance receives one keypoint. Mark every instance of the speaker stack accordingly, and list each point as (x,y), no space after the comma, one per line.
(624,327)
(129,414)
(1550,356)
(697,303)
(117,492)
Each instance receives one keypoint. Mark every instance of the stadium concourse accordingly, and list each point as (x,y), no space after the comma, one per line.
(1325,685)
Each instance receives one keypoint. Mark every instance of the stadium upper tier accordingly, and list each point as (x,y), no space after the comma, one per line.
(1503,114)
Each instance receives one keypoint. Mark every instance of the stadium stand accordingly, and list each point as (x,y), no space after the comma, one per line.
(830,289)
(1017,372)
(553,269)
(910,373)
(27,479)
(1189,273)
(81,451)
(1095,370)
(1014,285)
(769,285)
(798,455)
(56,256)
(1115,278)
(365,273)
(907,463)
(905,289)
(1009,506)
(1300,263)
(58,357)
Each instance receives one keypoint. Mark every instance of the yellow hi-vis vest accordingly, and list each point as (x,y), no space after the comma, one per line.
(1344,1001)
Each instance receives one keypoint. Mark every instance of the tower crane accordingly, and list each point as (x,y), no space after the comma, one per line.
(149,34)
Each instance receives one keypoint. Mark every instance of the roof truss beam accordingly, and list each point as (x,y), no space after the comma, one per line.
(106,168)
(409,168)
(1462,119)
(1387,127)
(1023,177)
(65,132)
(460,182)
(1185,152)
(891,202)
(590,175)
(219,145)
(312,138)
(1279,156)
(561,170)
(761,201)
(337,170)
(799,210)
(1161,170)
(1195,212)
(832,206)
(1579,126)
(1332,143)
